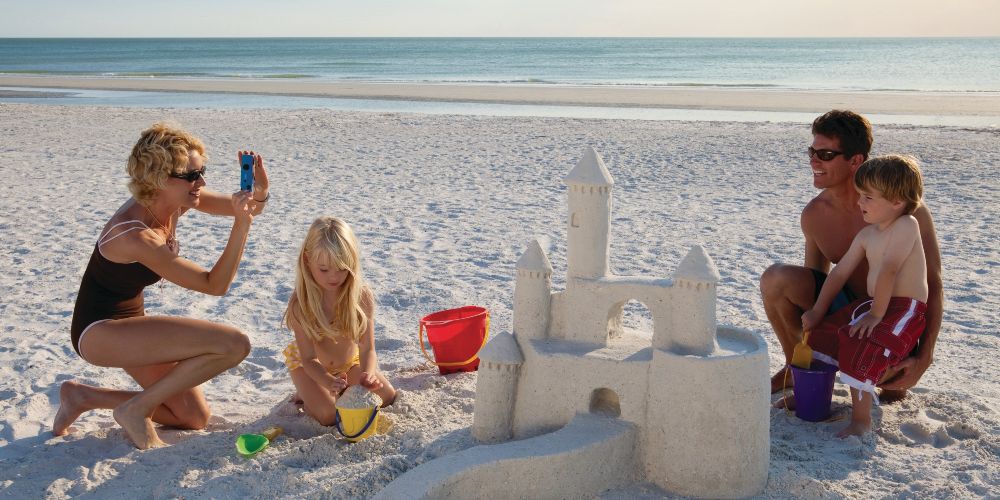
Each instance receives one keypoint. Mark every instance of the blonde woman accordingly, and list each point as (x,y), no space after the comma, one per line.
(332,313)
(168,356)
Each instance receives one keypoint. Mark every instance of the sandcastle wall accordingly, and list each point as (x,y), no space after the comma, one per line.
(709,430)
(559,380)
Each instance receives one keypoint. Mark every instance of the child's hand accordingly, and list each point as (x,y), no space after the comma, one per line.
(337,386)
(865,325)
(370,382)
(811,319)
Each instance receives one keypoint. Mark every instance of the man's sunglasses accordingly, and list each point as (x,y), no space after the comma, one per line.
(824,154)
(191,176)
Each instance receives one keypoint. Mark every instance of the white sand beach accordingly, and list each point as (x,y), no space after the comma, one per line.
(444,206)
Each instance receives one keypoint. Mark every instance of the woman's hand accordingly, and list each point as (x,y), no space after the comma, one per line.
(242,211)
(260,183)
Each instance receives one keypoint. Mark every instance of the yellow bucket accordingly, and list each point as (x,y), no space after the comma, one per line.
(356,424)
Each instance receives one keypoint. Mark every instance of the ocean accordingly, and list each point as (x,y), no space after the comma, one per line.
(899,64)
(962,65)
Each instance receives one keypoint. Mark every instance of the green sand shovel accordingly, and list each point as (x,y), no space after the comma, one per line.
(251,444)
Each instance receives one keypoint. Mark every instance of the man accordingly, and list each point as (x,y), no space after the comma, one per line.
(830,221)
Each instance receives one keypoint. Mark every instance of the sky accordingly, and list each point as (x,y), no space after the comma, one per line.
(448,18)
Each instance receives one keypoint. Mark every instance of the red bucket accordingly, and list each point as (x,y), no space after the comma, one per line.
(456,336)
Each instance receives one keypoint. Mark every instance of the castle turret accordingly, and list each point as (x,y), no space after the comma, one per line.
(692,311)
(496,389)
(532,293)
(587,240)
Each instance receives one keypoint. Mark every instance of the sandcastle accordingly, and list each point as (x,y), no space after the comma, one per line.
(571,404)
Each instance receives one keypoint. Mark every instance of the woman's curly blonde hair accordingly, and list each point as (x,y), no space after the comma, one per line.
(160,151)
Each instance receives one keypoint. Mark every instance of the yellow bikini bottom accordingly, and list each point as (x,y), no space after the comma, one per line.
(293,360)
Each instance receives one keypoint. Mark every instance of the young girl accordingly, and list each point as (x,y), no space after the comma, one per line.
(332,313)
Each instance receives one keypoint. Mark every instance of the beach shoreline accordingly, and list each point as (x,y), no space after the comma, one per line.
(932,103)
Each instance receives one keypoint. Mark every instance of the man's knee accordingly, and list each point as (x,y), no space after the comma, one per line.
(774,279)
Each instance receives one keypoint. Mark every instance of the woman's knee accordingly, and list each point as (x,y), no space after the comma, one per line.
(195,419)
(234,343)
(188,410)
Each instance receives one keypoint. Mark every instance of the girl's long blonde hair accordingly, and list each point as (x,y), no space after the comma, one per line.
(330,239)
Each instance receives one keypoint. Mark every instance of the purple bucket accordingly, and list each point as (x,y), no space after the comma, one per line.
(813,390)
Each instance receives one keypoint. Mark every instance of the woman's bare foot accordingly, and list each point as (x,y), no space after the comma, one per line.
(138,426)
(70,407)
(855,428)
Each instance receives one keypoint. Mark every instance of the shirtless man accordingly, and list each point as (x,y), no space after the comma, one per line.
(830,221)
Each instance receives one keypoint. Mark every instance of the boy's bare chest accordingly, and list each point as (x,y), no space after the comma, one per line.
(876,244)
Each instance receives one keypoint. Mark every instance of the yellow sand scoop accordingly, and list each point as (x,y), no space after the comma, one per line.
(802,357)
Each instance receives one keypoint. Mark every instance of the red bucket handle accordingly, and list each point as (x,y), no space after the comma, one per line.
(486,336)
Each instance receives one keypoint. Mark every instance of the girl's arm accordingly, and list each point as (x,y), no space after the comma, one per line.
(903,236)
(366,345)
(310,363)
(151,251)
(835,282)
(215,203)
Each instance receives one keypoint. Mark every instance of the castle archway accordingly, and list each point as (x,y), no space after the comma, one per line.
(604,401)
(632,316)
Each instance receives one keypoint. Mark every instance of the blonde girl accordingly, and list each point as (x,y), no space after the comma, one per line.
(332,313)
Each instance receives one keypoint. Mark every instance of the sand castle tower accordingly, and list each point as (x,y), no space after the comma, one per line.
(588,236)
(532,293)
(591,406)
(499,364)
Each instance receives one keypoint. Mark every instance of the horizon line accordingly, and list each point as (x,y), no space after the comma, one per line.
(443,37)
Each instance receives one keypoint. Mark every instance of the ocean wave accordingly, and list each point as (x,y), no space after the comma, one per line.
(530,81)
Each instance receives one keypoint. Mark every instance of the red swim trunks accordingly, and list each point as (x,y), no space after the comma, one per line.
(863,361)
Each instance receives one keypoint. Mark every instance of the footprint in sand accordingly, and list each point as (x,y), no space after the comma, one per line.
(932,427)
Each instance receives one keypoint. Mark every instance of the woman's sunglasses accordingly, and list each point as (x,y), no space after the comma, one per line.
(191,176)
(824,154)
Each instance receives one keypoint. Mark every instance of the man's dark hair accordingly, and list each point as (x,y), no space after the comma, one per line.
(852,129)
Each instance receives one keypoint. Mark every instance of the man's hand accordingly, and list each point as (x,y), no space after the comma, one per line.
(907,374)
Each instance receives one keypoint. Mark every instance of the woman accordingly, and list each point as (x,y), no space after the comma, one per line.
(168,356)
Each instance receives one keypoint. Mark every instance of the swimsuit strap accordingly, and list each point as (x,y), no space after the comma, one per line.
(104,237)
